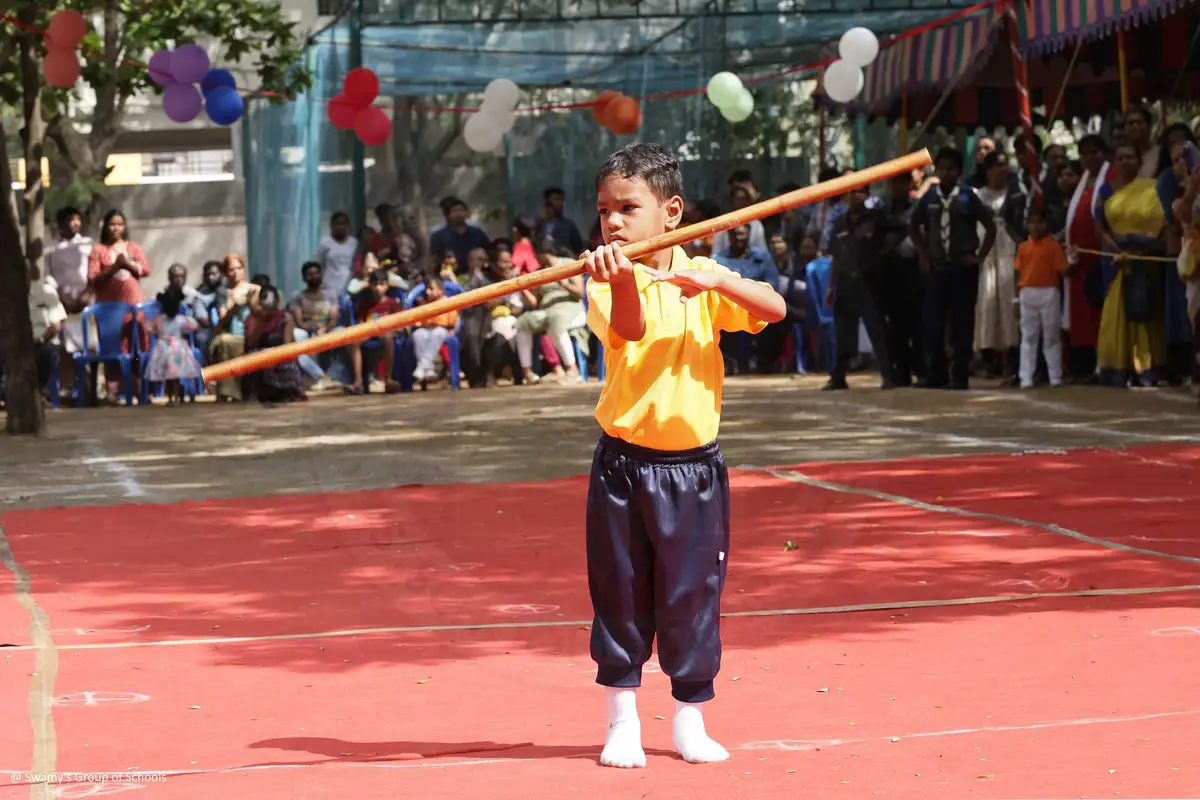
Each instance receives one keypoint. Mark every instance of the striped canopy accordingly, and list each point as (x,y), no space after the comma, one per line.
(1047,26)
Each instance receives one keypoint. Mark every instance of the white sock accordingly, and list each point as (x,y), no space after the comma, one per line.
(691,740)
(623,744)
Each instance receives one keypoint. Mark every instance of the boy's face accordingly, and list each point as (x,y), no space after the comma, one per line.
(1038,227)
(340,228)
(176,277)
(629,211)
(1068,180)
(778,246)
(457,215)
(433,291)
(379,289)
(948,172)
(808,249)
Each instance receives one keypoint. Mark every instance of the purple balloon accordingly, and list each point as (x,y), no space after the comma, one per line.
(189,63)
(160,68)
(182,102)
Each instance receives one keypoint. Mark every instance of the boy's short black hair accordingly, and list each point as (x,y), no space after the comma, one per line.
(1036,212)
(377,276)
(307,265)
(1093,140)
(955,157)
(649,163)
(65,213)
(342,215)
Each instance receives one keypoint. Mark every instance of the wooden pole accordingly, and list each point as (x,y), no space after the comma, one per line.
(393,322)
(1021,79)
(1123,71)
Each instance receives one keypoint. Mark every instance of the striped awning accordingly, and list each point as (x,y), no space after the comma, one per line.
(1047,26)
(928,61)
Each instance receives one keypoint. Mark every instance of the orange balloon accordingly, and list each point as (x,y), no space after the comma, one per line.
(623,116)
(61,67)
(601,104)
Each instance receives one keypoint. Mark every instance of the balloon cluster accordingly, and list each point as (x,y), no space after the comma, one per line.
(620,114)
(354,109)
(727,92)
(844,78)
(496,117)
(190,83)
(66,31)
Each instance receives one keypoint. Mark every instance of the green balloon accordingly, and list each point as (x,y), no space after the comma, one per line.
(741,108)
(724,88)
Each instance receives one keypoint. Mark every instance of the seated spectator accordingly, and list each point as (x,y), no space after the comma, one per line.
(172,360)
(430,335)
(210,294)
(314,311)
(487,330)
(177,276)
(556,310)
(270,326)
(372,303)
(229,335)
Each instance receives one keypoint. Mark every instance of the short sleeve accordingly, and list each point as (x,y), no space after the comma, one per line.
(599,314)
(728,315)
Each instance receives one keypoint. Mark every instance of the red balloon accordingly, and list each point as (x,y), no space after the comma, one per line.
(61,67)
(373,126)
(67,29)
(361,87)
(342,112)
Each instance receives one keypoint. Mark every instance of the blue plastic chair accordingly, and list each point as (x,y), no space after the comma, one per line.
(580,356)
(145,312)
(109,319)
(818,274)
(452,344)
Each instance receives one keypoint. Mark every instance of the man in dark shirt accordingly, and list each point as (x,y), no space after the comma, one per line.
(555,224)
(856,246)
(945,232)
(755,264)
(457,236)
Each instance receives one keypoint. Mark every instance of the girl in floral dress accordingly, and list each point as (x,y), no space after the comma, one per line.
(172,360)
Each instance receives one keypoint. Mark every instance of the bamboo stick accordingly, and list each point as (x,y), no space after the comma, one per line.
(263,359)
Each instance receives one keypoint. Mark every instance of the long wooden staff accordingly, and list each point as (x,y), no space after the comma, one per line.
(394,322)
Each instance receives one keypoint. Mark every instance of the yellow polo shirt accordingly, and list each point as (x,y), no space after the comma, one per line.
(664,391)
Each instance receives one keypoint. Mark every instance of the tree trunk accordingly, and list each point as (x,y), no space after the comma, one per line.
(34,137)
(22,397)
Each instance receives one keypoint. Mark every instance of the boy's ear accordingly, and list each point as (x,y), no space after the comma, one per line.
(674,210)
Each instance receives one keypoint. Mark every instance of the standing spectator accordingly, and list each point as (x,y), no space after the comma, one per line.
(742,194)
(336,253)
(755,264)
(172,360)
(457,236)
(997,333)
(1040,261)
(983,146)
(945,232)
(47,315)
(115,268)
(397,236)
(67,260)
(1085,281)
(854,286)
(903,287)
(558,226)
(314,312)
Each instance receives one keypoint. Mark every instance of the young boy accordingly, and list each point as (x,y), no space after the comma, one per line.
(1041,263)
(374,302)
(658,498)
(944,229)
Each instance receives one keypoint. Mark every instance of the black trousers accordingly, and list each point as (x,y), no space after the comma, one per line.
(950,295)
(904,300)
(657,549)
(856,299)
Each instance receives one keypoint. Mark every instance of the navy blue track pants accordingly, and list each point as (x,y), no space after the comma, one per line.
(657,549)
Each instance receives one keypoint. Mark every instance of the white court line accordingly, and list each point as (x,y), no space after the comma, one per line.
(114,468)
(799,477)
(584,752)
(490,626)
(808,744)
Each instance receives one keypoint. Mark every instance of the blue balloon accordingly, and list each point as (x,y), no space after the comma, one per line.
(225,106)
(217,79)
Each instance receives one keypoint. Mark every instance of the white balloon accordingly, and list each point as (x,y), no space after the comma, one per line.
(859,46)
(482,133)
(502,120)
(501,95)
(741,108)
(843,81)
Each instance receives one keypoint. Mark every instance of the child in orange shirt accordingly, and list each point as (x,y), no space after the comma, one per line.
(1040,264)
(431,334)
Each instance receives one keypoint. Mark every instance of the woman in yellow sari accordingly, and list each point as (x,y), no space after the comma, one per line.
(1131,223)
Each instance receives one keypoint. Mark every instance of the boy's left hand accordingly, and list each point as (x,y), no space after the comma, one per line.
(691,282)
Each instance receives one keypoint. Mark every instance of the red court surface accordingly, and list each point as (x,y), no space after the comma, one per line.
(955,684)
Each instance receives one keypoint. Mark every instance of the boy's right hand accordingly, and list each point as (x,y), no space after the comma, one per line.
(608,264)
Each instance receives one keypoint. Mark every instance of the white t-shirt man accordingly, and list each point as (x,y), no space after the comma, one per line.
(337,262)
